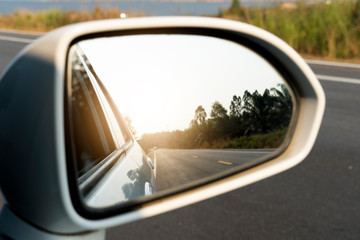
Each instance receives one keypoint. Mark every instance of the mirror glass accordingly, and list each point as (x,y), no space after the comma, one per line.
(155,112)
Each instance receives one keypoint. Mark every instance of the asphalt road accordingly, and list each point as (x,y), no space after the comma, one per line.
(318,199)
(175,167)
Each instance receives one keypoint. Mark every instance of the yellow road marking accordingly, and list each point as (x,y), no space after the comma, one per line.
(195,156)
(227,163)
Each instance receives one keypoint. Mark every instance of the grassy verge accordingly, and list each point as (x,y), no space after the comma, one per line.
(258,141)
(326,31)
(318,31)
(43,21)
(255,141)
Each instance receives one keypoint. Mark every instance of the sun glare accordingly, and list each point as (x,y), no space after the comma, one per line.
(158,81)
(146,109)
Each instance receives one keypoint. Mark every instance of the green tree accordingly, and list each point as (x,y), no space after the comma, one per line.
(200,115)
(235,107)
(218,125)
(218,111)
(236,128)
(283,105)
(258,110)
(197,132)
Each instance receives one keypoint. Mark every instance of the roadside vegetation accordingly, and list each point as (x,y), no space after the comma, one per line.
(43,21)
(254,121)
(327,30)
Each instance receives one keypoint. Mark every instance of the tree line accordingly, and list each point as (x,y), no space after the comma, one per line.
(249,115)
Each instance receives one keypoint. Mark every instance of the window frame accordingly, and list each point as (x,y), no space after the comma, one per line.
(89,181)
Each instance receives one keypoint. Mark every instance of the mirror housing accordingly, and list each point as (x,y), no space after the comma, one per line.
(34,173)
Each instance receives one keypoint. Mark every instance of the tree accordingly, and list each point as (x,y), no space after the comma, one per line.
(258,110)
(283,104)
(235,107)
(218,111)
(197,132)
(218,125)
(200,115)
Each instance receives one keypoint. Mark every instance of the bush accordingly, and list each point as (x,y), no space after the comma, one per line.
(325,30)
(43,21)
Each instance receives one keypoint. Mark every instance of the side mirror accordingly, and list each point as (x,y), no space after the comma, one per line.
(108,122)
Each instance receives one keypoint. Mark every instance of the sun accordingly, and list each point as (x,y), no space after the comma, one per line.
(146,108)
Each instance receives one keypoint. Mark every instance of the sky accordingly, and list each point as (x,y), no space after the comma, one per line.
(159,80)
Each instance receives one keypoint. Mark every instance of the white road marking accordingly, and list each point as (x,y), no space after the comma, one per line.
(16,39)
(338,79)
(223,162)
(333,64)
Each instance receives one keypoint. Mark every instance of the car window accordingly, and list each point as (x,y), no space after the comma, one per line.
(92,137)
(117,124)
(120,141)
(96,121)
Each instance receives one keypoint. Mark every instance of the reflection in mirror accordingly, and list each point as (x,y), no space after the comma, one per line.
(159,111)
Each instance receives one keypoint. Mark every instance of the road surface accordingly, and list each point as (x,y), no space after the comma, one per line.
(318,199)
(175,167)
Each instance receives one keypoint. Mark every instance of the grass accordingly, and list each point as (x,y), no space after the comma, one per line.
(43,21)
(258,141)
(330,31)
(320,31)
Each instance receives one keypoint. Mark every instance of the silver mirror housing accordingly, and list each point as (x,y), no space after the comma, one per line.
(34,173)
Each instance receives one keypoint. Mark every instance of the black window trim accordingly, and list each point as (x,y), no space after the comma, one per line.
(90,181)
